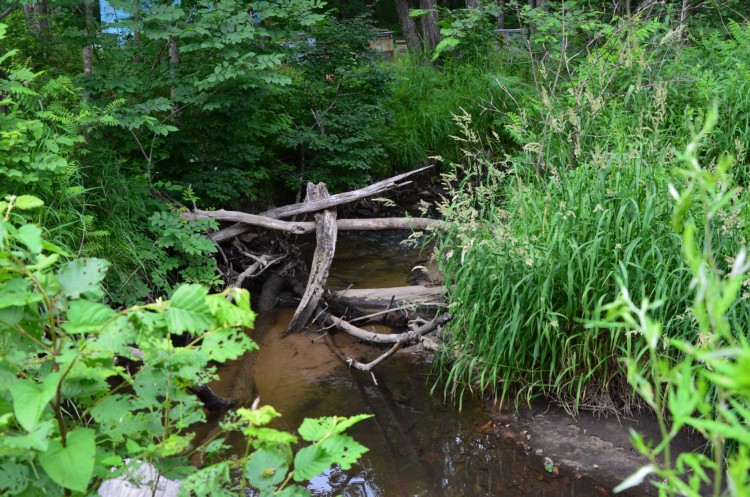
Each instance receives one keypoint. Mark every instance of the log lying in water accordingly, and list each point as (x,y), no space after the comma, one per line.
(410,337)
(370,300)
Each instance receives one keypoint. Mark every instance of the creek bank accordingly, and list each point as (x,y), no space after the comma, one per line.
(586,446)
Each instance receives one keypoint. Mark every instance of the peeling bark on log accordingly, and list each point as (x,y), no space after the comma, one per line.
(325,236)
(301,228)
(371,300)
(313,206)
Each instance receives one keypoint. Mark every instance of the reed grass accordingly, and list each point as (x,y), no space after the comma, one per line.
(580,207)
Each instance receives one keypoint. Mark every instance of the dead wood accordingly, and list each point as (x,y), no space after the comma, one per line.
(303,227)
(421,299)
(319,204)
(325,236)
(210,400)
(355,364)
(407,338)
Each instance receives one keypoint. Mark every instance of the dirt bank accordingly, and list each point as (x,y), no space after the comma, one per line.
(587,446)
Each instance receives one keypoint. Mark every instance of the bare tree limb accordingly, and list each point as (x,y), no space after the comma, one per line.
(406,338)
(355,364)
(320,204)
(301,228)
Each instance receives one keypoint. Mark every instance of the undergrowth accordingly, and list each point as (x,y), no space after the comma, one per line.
(580,201)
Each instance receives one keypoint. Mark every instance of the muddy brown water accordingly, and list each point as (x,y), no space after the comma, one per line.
(419,444)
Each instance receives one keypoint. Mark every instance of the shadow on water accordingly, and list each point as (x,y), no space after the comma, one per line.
(418,444)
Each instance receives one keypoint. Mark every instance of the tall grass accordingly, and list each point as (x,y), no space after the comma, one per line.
(425,97)
(582,203)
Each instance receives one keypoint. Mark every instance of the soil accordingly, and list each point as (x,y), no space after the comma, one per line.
(588,445)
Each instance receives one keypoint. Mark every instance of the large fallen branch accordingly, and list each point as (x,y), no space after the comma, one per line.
(369,300)
(301,228)
(407,338)
(325,235)
(316,205)
(355,364)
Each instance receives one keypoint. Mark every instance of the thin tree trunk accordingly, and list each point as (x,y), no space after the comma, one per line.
(136,32)
(430,30)
(407,25)
(90,13)
(684,13)
(501,14)
(174,63)
(473,4)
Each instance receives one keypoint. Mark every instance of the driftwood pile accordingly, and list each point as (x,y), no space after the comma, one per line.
(329,309)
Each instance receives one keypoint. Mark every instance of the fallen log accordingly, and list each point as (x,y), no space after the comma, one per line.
(406,338)
(355,364)
(303,227)
(371,300)
(325,236)
(324,203)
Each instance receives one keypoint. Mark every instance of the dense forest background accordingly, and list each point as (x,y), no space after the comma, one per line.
(593,157)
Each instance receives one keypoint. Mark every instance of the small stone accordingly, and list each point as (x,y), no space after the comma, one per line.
(596,466)
(539,452)
(528,437)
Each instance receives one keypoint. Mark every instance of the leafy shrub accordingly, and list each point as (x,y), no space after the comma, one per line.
(70,416)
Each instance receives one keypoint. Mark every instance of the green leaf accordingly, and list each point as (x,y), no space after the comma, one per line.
(14,477)
(294,491)
(314,430)
(31,236)
(71,466)
(227,344)
(188,310)
(344,450)
(265,468)
(85,316)
(25,202)
(30,398)
(310,462)
(83,277)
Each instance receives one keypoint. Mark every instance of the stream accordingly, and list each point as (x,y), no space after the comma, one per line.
(418,444)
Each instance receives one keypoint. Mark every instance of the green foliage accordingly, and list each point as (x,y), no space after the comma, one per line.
(708,389)
(542,236)
(71,415)
(335,107)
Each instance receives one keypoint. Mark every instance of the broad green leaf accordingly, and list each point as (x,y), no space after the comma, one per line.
(227,344)
(314,430)
(31,236)
(294,491)
(14,477)
(344,450)
(85,316)
(188,311)
(25,202)
(83,277)
(265,468)
(17,292)
(30,398)
(260,416)
(37,439)
(71,466)
(310,462)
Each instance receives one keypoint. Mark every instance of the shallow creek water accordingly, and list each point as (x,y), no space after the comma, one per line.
(418,444)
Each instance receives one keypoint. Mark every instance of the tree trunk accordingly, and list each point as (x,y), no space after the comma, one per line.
(37,17)
(474,4)
(407,25)
(91,14)
(501,14)
(174,63)
(429,22)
